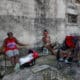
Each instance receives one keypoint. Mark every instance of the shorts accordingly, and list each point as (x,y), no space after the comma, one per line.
(11,53)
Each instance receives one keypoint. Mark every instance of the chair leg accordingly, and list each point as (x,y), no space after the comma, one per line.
(5,63)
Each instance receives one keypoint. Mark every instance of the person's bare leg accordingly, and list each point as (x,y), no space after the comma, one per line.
(68,54)
(17,59)
(61,55)
(50,49)
(17,66)
(12,59)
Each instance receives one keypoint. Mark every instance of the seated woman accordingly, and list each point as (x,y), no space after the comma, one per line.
(47,41)
(11,49)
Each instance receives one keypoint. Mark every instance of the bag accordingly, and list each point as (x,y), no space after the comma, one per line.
(26,59)
(35,54)
(69,41)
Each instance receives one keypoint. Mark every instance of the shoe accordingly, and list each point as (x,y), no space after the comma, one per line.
(66,61)
(17,67)
(61,59)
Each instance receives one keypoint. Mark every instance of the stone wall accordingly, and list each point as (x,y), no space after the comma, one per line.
(27,19)
(17,16)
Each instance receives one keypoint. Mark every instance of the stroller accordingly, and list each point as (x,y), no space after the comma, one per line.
(29,60)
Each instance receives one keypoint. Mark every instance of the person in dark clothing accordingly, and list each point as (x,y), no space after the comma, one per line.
(67,49)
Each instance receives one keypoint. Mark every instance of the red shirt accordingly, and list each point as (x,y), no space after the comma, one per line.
(10,44)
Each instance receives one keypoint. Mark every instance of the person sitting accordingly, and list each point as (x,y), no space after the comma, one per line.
(67,48)
(78,50)
(11,49)
(47,41)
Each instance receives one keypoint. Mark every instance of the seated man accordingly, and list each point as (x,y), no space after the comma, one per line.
(11,49)
(47,41)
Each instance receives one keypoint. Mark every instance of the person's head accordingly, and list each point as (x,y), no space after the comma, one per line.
(10,34)
(45,32)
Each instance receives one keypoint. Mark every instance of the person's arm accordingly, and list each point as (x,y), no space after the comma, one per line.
(20,44)
(49,39)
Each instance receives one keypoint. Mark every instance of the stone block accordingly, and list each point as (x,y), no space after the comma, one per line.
(40,68)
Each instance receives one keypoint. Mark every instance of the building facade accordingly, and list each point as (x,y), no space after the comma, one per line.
(67,18)
(28,18)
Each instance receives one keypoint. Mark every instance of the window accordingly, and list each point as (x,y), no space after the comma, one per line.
(72,18)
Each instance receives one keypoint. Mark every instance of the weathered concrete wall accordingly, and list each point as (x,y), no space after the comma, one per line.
(45,18)
(27,19)
(61,9)
(73,28)
(17,16)
(78,6)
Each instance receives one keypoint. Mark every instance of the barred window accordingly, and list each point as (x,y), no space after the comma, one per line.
(72,18)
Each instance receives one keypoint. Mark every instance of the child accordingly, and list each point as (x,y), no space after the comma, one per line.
(47,41)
